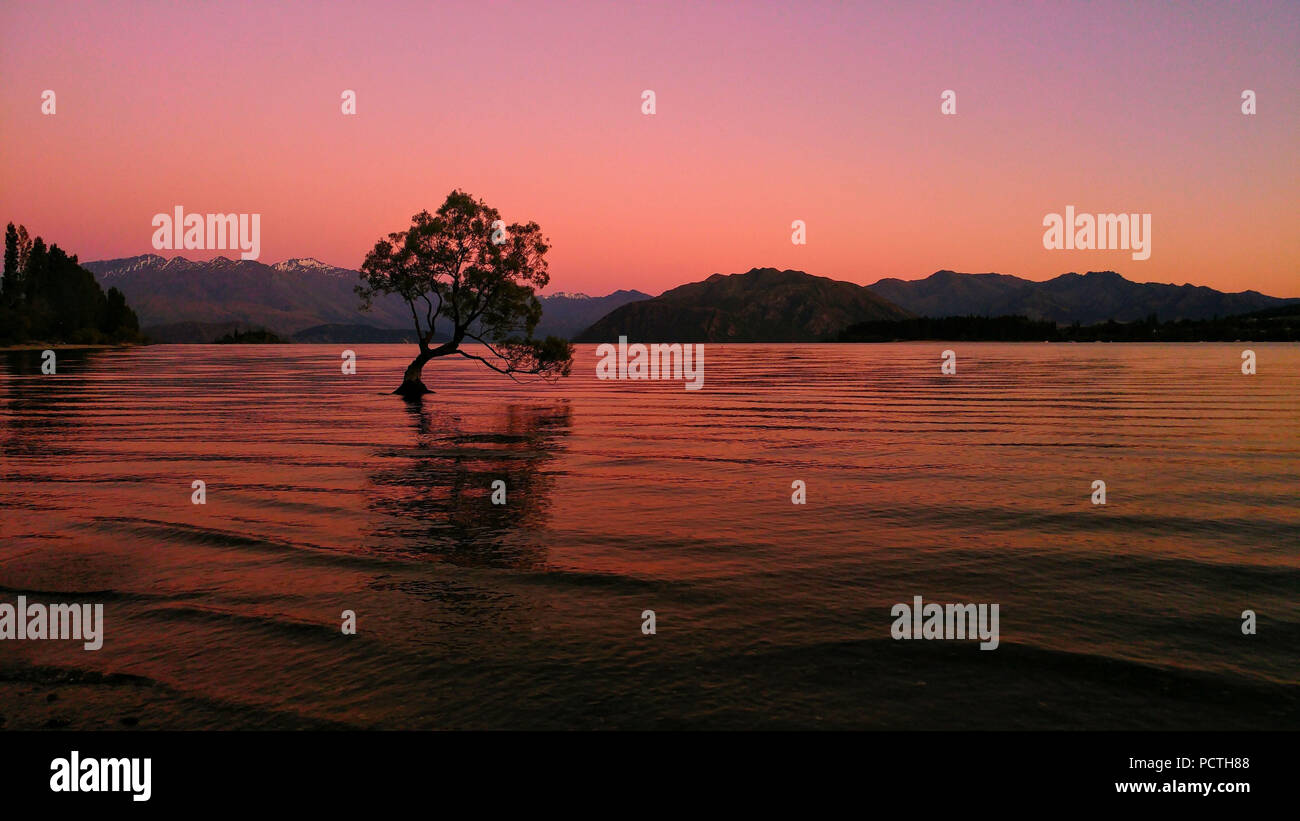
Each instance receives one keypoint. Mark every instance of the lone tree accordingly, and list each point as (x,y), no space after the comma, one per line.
(465,266)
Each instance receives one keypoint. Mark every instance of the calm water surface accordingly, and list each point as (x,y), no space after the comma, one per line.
(326,494)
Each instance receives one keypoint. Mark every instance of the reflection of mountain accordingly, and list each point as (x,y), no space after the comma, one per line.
(1097,296)
(437,503)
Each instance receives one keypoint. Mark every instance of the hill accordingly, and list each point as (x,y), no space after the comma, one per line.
(1097,296)
(761,305)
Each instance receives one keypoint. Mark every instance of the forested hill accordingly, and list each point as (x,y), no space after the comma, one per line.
(46,296)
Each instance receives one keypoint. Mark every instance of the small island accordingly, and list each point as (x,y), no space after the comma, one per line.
(257,336)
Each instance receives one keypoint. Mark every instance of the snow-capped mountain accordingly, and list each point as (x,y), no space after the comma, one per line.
(193,300)
(308,264)
(286,298)
(569,314)
(127,265)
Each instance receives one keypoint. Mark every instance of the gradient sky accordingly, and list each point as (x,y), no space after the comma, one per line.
(767,112)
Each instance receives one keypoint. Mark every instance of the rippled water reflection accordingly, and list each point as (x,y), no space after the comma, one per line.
(326,494)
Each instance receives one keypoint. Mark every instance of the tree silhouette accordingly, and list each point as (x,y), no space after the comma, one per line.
(45,295)
(9,284)
(466,267)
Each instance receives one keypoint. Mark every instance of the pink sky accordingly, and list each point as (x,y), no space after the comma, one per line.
(767,113)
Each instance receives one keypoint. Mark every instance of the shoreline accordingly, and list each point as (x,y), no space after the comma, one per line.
(57,346)
(936,340)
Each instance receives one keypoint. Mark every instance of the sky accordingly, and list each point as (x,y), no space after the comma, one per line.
(765,113)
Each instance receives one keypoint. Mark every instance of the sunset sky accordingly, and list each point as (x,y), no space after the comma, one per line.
(766,113)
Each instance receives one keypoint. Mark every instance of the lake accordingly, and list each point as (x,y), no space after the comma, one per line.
(326,494)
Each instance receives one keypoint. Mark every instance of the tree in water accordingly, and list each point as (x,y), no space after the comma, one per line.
(466,267)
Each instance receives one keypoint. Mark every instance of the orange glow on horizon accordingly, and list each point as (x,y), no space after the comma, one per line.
(765,114)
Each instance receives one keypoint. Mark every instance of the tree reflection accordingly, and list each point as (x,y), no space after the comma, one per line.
(437,503)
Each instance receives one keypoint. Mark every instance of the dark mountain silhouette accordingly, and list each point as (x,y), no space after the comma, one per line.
(950,294)
(1089,298)
(181,300)
(762,305)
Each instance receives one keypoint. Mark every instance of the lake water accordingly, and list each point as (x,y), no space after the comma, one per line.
(326,494)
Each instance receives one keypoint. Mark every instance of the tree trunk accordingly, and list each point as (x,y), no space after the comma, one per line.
(412,385)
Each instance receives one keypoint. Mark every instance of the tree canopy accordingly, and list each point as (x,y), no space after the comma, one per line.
(463,270)
(46,296)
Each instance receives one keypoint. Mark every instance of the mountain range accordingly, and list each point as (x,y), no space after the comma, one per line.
(1097,296)
(567,315)
(762,305)
(767,305)
(209,297)
(181,300)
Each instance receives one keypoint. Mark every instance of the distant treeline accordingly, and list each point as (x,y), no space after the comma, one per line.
(45,296)
(1281,324)
(254,336)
